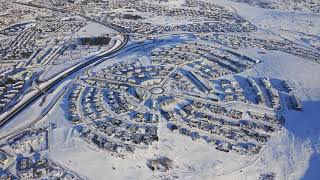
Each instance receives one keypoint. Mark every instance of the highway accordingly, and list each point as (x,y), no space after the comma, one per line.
(60,94)
(49,86)
(79,67)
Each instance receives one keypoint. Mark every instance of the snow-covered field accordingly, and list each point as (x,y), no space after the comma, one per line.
(292,153)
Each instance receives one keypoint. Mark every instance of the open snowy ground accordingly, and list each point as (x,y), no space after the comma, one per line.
(292,153)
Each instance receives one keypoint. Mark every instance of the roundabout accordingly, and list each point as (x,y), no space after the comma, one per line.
(157,90)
